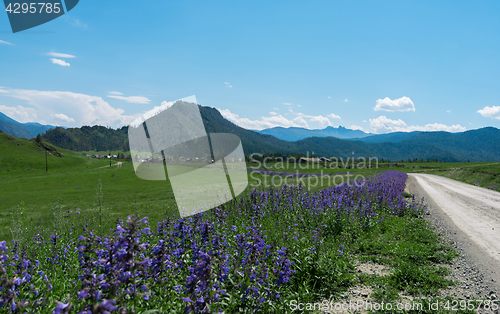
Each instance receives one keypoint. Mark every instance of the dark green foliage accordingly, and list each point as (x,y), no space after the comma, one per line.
(475,145)
(420,280)
(89,138)
(389,137)
(320,274)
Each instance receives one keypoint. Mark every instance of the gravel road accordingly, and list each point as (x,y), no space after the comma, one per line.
(468,217)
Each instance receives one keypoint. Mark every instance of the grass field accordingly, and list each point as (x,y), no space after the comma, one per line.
(485,174)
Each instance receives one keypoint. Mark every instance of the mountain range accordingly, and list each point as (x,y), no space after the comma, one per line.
(295,134)
(474,145)
(24,130)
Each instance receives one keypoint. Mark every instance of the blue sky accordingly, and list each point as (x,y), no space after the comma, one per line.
(380,66)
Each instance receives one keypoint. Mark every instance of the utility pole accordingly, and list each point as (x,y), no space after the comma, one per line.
(46,163)
(109,155)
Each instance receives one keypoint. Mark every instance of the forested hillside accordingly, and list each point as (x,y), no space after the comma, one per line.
(87,138)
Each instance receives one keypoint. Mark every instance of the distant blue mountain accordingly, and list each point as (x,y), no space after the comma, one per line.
(293,134)
(26,130)
(5,118)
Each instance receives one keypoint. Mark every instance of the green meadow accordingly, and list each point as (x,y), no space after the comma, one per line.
(77,183)
(73,182)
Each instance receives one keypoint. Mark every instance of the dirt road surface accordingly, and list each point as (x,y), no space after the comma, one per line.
(469,216)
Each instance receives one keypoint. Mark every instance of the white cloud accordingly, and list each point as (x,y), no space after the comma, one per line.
(43,106)
(324,121)
(275,119)
(299,106)
(229,115)
(356,127)
(157,109)
(264,122)
(400,104)
(276,108)
(166,104)
(6,43)
(228,84)
(490,112)
(132,99)
(346,100)
(333,116)
(20,113)
(60,62)
(330,97)
(438,127)
(63,117)
(384,123)
(301,122)
(287,104)
(115,93)
(448,111)
(60,55)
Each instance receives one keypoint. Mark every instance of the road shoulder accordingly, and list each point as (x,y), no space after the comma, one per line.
(477,272)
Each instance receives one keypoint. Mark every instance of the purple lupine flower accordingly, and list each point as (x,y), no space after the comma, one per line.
(3,246)
(62,308)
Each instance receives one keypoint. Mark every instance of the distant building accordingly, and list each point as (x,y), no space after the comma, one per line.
(307,160)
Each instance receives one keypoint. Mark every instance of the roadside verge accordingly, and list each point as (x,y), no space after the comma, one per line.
(476,270)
